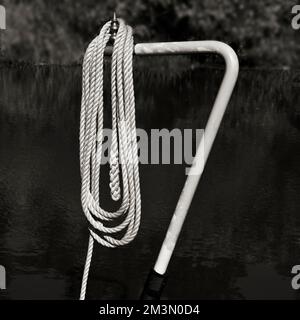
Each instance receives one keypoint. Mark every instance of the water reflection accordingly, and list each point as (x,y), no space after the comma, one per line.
(242,234)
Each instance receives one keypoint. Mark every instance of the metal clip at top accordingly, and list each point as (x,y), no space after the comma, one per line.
(114,28)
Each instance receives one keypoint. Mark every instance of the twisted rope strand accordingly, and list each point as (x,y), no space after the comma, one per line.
(123,156)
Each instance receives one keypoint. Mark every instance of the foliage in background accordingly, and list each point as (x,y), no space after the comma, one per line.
(58,31)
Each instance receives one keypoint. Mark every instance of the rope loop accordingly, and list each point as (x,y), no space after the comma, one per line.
(123,157)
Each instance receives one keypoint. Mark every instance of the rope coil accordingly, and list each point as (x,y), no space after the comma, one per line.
(123,156)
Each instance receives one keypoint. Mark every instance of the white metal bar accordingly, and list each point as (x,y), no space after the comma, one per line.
(207,140)
(212,126)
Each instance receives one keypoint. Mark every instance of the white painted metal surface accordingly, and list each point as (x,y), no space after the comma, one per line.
(207,140)
(211,129)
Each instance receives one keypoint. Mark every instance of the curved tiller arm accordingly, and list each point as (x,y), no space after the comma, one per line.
(156,279)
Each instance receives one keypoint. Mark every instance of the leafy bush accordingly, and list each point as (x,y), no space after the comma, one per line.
(58,31)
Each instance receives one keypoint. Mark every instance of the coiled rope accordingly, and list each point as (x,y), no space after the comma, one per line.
(123,156)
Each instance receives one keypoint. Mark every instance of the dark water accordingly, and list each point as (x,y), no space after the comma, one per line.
(242,234)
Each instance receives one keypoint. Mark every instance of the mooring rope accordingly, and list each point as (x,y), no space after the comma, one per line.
(123,156)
